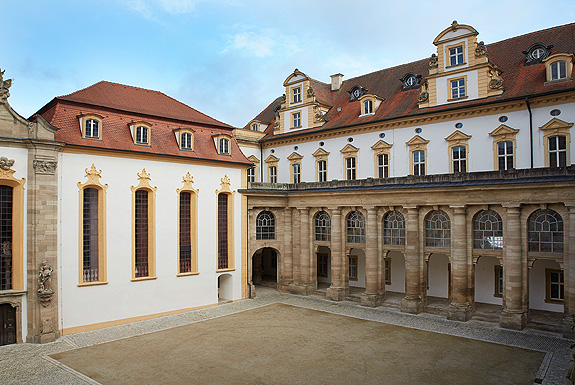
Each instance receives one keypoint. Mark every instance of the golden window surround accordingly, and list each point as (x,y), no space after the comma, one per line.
(225,189)
(503,133)
(458,139)
(556,127)
(144,184)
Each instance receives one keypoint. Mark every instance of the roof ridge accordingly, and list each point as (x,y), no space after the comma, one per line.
(530,33)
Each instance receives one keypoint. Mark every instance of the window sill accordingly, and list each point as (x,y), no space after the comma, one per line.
(224,153)
(99,283)
(186,149)
(293,128)
(143,279)
(555,301)
(12,293)
(89,138)
(557,81)
(455,65)
(370,114)
(225,270)
(457,99)
(142,144)
(188,274)
(498,295)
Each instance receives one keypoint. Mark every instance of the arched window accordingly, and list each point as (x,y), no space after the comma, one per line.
(6,214)
(265,225)
(437,229)
(322,227)
(355,227)
(394,229)
(487,231)
(545,232)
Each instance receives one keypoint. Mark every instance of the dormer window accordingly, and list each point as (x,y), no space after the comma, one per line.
(224,146)
(457,87)
(536,53)
(369,104)
(456,55)
(255,127)
(356,92)
(559,67)
(368,107)
(185,141)
(410,81)
(140,133)
(90,126)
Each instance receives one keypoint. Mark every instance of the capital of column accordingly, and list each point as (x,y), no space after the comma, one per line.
(511,206)
(459,209)
(336,211)
(303,210)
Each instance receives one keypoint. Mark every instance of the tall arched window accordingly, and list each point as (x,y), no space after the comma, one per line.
(394,229)
(437,229)
(6,237)
(355,227)
(322,227)
(545,232)
(265,225)
(487,231)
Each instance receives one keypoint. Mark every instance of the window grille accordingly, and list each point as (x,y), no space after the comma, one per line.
(394,229)
(90,235)
(505,155)
(6,237)
(545,234)
(488,231)
(322,227)
(222,231)
(383,165)
(185,232)
(437,229)
(141,233)
(558,151)
(265,225)
(356,228)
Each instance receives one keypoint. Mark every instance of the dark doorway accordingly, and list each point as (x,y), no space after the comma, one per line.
(7,324)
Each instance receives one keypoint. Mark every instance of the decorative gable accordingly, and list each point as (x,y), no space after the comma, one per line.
(458,138)
(417,141)
(503,132)
(381,145)
(294,156)
(349,149)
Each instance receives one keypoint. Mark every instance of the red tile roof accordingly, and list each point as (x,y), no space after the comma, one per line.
(122,105)
(519,81)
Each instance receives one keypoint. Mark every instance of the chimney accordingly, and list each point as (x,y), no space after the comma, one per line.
(336,81)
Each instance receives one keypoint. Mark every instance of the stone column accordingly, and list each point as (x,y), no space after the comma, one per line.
(569,274)
(460,308)
(305,251)
(336,292)
(286,279)
(513,315)
(251,239)
(371,296)
(296,251)
(42,242)
(413,301)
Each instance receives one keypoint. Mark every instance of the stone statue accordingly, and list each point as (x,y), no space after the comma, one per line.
(6,163)
(4,86)
(43,278)
(496,82)
(424,94)
(433,60)
(480,49)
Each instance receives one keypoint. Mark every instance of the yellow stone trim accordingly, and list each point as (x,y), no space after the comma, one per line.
(7,179)
(292,100)
(256,162)
(133,130)
(449,88)
(144,184)
(472,32)
(292,117)
(188,180)
(417,143)
(464,51)
(179,132)
(244,237)
(294,159)
(458,139)
(556,127)
(295,73)
(225,189)
(381,147)
(93,181)
(349,151)
(272,161)
(568,58)
(321,155)
(503,133)
(82,120)
(217,139)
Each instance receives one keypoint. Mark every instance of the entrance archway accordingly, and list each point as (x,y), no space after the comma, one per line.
(265,267)
(323,267)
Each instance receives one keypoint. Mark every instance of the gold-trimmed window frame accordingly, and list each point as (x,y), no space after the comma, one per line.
(446,48)
(501,134)
(144,184)
(272,161)
(321,155)
(83,120)
(350,152)
(188,180)
(381,148)
(225,189)
(417,143)
(256,166)
(134,131)
(450,81)
(93,181)
(568,58)
(458,139)
(556,127)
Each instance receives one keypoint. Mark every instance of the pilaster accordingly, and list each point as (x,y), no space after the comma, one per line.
(460,308)
(569,275)
(337,290)
(371,296)
(286,278)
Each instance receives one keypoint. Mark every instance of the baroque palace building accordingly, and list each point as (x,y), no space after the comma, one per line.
(101,196)
(450,177)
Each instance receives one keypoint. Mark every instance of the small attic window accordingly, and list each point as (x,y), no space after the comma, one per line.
(91,126)
(369,104)
(222,143)
(536,53)
(410,81)
(140,133)
(356,92)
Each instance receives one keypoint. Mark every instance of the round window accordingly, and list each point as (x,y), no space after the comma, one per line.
(537,53)
(410,81)
(350,140)
(418,130)
(503,119)
(321,144)
(555,112)
(382,135)
(458,125)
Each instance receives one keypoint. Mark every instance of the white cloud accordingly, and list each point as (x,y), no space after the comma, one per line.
(261,43)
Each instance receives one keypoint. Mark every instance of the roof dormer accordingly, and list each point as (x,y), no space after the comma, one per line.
(141,133)
(222,143)
(369,104)
(91,126)
(184,138)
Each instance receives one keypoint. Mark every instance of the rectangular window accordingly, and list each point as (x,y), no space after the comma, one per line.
(6,197)
(352,268)
(383,166)
(255,127)
(350,168)
(141,233)
(297,173)
(505,155)
(296,119)
(555,286)
(458,88)
(322,265)
(224,146)
(557,151)
(185,232)
(498,281)
(558,70)
(92,129)
(252,174)
(459,159)
(387,262)
(322,171)
(456,56)
(273,174)
(297,95)
(419,162)
(142,135)
(90,234)
(222,231)
(186,140)
(368,107)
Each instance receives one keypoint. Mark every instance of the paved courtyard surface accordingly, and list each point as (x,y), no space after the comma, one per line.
(281,338)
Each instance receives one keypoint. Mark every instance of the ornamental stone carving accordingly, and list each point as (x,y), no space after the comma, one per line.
(496,82)
(5,163)
(45,166)
(480,49)
(44,277)
(4,87)
(433,61)
(310,92)
(423,95)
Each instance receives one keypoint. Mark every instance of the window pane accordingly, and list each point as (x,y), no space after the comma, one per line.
(90,235)
(6,237)
(141,233)
(222,231)
(185,232)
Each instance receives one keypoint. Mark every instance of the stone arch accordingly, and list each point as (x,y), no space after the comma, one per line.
(265,263)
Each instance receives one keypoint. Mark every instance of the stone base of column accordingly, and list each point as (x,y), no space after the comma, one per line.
(251,290)
(459,311)
(336,293)
(301,288)
(412,304)
(513,319)
(43,338)
(371,300)
(284,285)
(567,327)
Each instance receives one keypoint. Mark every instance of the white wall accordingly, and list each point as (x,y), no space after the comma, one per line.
(438,276)
(360,269)
(537,286)
(121,298)
(397,272)
(485,281)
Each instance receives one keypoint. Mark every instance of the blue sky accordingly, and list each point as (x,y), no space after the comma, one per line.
(229,58)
